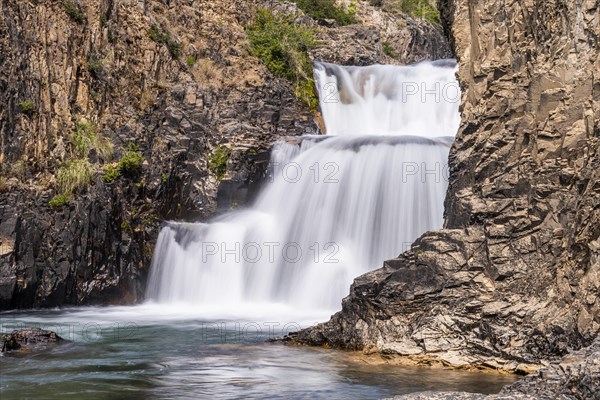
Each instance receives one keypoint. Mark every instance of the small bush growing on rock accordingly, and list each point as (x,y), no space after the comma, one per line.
(159,36)
(59,200)
(327,9)
(191,60)
(389,50)
(27,106)
(131,162)
(415,8)
(86,137)
(73,10)
(217,162)
(74,175)
(95,65)
(111,172)
(282,46)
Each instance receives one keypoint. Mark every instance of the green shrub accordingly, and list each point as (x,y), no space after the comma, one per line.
(131,162)
(74,175)
(415,8)
(95,65)
(73,10)
(217,162)
(389,50)
(282,46)
(59,200)
(327,9)
(156,34)
(85,137)
(27,106)
(111,172)
(126,227)
(191,60)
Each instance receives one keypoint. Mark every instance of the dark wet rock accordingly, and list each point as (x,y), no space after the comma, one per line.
(29,340)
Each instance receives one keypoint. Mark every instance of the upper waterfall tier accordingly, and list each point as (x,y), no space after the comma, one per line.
(420,99)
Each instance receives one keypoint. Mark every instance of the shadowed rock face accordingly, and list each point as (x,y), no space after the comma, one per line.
(513,280)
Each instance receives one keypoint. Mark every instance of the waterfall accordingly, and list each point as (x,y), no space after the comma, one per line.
(420,99)
(336,206)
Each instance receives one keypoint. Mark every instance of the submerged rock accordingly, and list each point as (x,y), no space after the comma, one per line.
(29,340)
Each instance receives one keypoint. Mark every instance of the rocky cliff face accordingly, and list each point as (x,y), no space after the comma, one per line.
(174,79)
(513,280)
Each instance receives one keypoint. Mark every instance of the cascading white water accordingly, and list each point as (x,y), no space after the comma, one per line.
(420,99)
(336,207)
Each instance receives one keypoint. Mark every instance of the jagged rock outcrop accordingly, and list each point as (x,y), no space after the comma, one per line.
(513,280)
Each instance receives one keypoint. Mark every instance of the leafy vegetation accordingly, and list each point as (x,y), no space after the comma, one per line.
(217,162)
(27,106)
(415,8)
(111,172)
(327,9)
(85,137)
(164,37)
(282,46)
(129,164)
(59,200)
(389,50)
(74,175)
(191,60)
(73,10)
(131,161)
(95,65)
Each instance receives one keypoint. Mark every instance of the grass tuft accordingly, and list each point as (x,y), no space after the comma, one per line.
(415,8)
(328,9)
(74,175)
(282,46)
(85,137)
(191,60)
(73,10)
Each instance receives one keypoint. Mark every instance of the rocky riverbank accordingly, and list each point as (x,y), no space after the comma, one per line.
(576,376)
(513,280)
